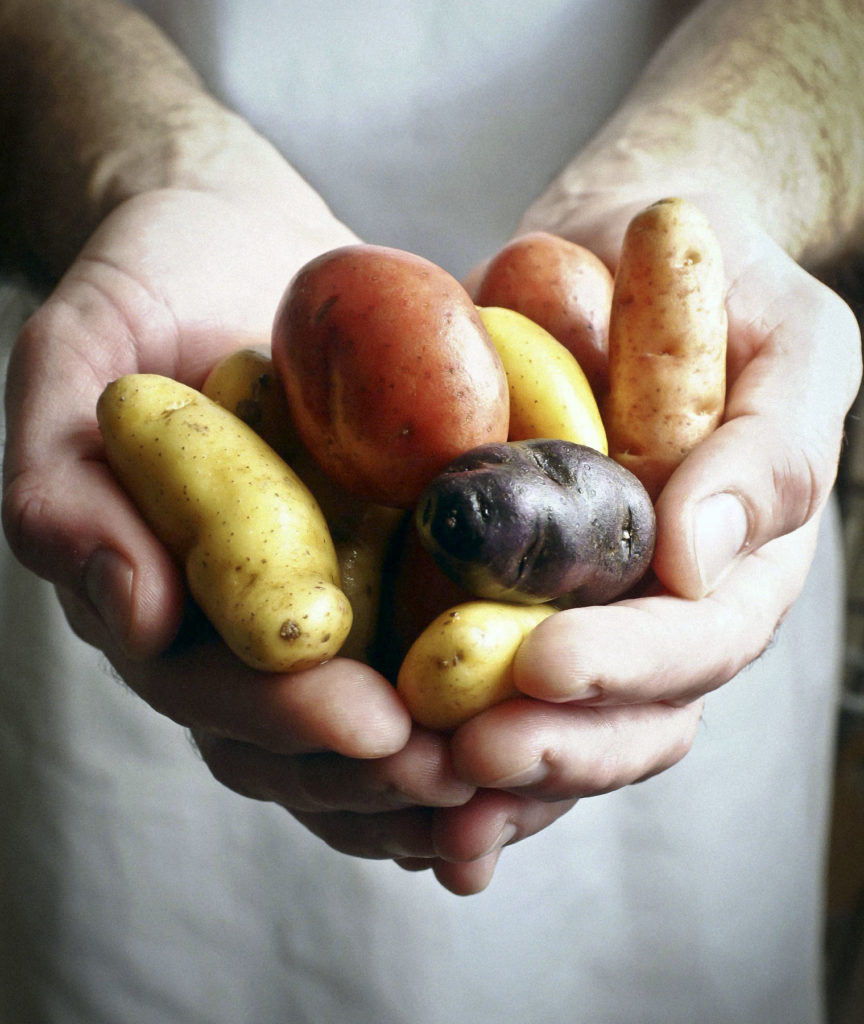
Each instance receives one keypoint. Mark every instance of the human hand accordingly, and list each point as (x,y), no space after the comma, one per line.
(737,527)
(168,283)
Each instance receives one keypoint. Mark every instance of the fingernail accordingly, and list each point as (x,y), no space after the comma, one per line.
(504,837)
(719,536)
(108,585)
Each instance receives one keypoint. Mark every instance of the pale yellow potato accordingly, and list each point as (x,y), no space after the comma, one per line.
(462,663)
(245,382)
(258,556)
(550,396)
(667,341)
(363,535)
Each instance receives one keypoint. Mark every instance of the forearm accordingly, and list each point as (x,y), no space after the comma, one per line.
(758,100)
(96,106)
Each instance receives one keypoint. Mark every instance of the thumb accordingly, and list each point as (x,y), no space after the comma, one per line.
(769,468)
(64,516)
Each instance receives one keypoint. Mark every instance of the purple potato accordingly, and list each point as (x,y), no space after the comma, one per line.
(540,520)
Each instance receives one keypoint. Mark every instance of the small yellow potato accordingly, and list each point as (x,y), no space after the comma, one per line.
(245,382)
(550,396)
(462,663)
(667,341)
(258,556)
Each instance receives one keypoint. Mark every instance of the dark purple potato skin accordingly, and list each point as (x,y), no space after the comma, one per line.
(535,521)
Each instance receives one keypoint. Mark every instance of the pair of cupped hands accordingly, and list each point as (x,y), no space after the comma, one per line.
(171,280)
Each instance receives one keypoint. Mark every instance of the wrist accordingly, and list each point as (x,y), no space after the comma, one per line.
(98,107)
(696,124)
(593,204)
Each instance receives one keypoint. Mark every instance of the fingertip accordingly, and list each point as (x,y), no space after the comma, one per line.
(468,878)
(547,665)
(69,523)
(699,543)
(347,707)
(140,606)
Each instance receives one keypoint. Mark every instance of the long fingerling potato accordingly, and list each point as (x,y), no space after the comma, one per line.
(255,546)
(667,341)
(245,383)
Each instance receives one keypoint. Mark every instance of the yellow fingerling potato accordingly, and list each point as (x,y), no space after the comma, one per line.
(245,382)
(667,341)
(550,396)
(462,663)
(258,557)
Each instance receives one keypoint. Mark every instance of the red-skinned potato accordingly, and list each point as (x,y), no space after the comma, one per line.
(388,369)
(560,285)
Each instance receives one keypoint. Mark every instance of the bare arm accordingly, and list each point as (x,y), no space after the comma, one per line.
(756,100)
(97,106)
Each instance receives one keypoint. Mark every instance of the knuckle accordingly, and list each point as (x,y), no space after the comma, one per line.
(27,517)
(800,481)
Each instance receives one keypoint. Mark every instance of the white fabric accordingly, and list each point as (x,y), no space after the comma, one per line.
(136,889)
(430,124)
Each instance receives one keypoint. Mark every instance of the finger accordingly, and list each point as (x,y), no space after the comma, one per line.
(392,835)
(70,523)
(666,648)
(341,706)
(63,513)
(795,366)
(420,773)
(489,822)
(414,864)
(466,878)
(559,753)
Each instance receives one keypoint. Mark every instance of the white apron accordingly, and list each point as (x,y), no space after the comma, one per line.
(136,889)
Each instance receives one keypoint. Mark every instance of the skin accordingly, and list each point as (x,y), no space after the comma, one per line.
(147,165)
(375,328)
(245,382)
(461,663)
(535,521)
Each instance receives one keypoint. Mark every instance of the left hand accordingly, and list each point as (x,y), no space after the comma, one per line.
(737,528)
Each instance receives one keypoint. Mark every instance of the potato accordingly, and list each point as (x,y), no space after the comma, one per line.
(667,341)
(537,521)
(549,394)
(462,663)
(416,591)
(255,546)
(561,286)
(388,369)
(245,382)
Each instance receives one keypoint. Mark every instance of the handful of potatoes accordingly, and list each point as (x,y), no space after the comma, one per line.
(400,431)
